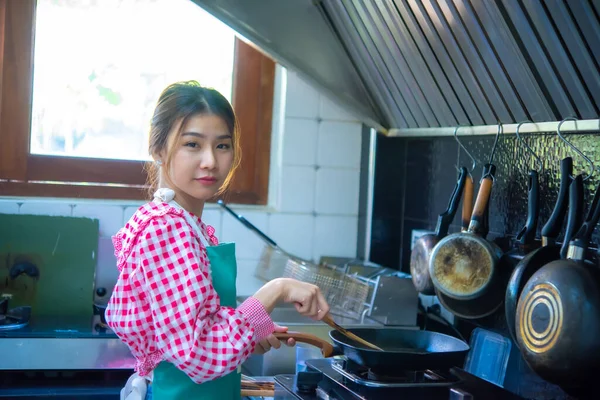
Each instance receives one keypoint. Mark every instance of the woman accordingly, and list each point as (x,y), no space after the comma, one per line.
(174,302)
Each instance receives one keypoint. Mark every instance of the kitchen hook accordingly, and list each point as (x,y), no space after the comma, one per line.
(539,161)
(572,146)
(461,146)
(493,153)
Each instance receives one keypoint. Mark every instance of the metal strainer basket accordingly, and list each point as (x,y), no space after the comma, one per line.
(345,294)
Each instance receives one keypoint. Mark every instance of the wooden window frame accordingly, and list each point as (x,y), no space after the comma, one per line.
(30,175)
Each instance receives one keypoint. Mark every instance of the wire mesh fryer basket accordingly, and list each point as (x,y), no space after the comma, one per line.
(345,294)
(272,263)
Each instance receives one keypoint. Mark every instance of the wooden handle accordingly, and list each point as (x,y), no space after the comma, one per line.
(258,388)
(258,393)
(329,321)
(467,206)
(483,197)
(325,346)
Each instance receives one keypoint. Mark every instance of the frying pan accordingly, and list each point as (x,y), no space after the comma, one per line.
(558,323)
(489,300)
(408,349)
(549,251)
(463,264)
(421,253)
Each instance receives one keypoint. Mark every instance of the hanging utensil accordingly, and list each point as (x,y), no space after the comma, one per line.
(558,314)
(467,202)
(476,256)
(421,252)
(549,251)
(526,237)
(575,149)
(463,265)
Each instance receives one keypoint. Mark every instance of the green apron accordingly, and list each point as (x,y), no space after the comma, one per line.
(169,383)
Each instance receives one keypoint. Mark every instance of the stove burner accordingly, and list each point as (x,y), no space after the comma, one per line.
(16,318)
(403,378)
(406,376)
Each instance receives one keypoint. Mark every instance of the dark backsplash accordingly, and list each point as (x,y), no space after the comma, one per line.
(413,182)
(415,177)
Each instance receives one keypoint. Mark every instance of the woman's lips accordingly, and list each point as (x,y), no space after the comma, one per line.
(207,180)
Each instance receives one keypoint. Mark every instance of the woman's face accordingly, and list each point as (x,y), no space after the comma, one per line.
(202,156)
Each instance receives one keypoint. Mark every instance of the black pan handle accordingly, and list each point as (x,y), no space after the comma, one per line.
(553,226)
(247,223)
(584,234)
(575,215)
(446,218)
(527,234)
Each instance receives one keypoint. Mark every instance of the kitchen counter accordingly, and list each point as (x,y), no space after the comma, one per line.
(55,343)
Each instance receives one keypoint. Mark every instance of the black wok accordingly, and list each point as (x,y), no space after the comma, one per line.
(404,349)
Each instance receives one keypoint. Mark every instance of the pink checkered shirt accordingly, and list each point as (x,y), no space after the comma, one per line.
(164,306)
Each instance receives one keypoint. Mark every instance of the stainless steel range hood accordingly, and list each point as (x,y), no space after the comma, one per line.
(409,64)
(296,34)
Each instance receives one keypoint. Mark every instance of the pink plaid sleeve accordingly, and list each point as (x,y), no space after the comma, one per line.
(194,332)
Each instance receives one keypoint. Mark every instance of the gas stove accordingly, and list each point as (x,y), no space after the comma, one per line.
(341,379)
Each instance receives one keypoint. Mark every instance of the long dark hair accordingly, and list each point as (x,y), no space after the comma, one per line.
(180,101)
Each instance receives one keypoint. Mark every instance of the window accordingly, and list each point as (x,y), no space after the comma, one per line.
(74,108)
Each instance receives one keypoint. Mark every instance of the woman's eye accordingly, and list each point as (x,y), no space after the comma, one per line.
(192,145)
(223,146)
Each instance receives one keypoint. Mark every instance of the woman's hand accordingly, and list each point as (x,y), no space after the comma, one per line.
(271,341)
(307,298)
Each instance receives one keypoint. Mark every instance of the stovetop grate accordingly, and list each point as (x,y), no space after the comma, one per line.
(377,379)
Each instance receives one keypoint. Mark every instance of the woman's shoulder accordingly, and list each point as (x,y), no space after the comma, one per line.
(151,221)
(156,217)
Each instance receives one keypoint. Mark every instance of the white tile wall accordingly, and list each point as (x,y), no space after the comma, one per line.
(318,210)
(331,111)
(300,141)
(337,191)
(298,189)
(248,245)
(339,144)
(214,218)
(301,99)
(55,209)
(294,233)
(335,236)
(8,207)
(128,213)
(110,217)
